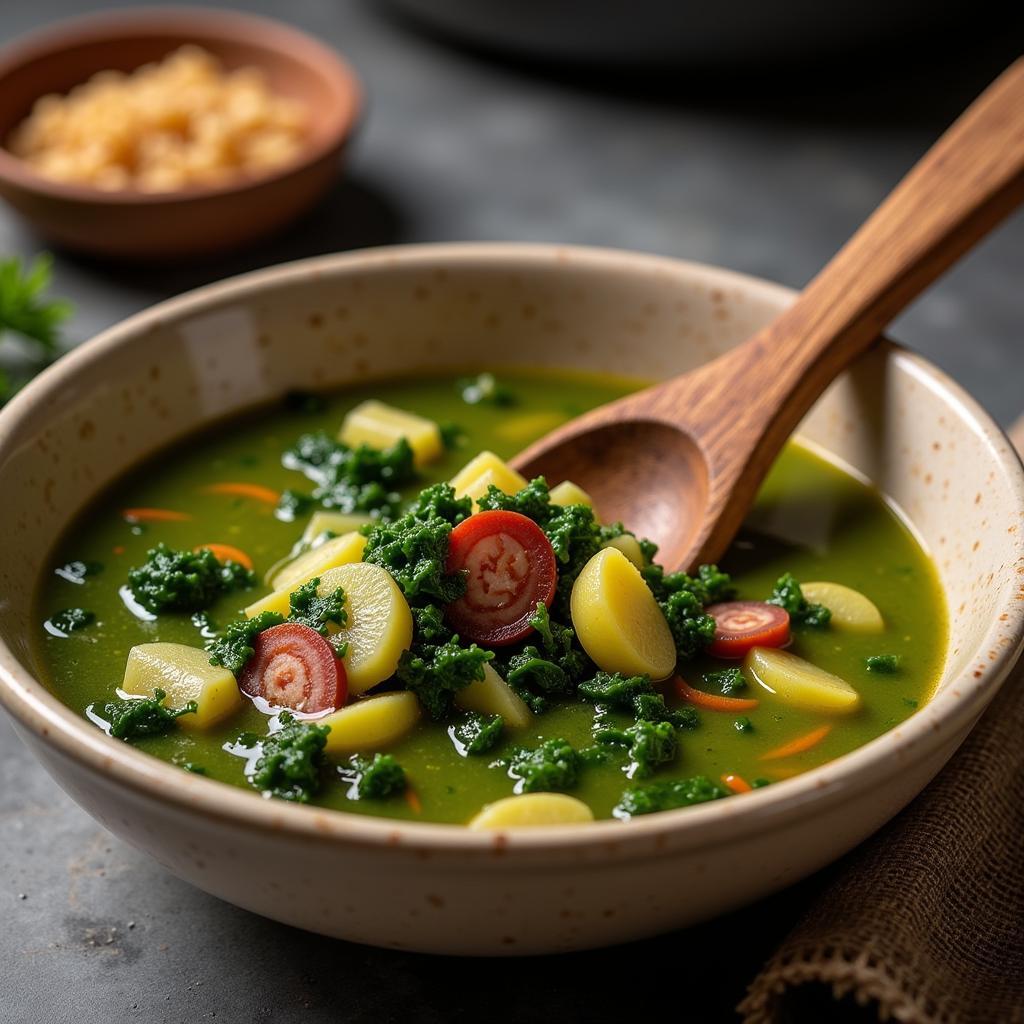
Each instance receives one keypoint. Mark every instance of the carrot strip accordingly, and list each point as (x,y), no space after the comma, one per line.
(118,550)
(737,783)
(154,515)
(799,745)
(244,490)
(413,800)
(227,553)
(713,701)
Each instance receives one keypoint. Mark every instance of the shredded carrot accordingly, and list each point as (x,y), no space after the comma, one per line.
(119,550)
(227,553)
(154,515)
(713,701)
(413,800)
(243,490)
(737,783)
(799,745)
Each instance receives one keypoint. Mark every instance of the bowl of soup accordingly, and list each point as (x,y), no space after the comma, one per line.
(279,611)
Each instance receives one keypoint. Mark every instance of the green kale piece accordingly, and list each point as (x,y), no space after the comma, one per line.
(553,668)
(615,689)
(414,548)
(533,501)
(361,479)
(788,595)
(184,581)
(69,620)
(290,761)
(485,389)
(691,628)
(743,724)
(293,505)
(141,716)
(477,734)
(886,664)
(434,672)
(727,680)
(193,769)
(78,571)
(552,766)
(234,647)
(760,783)
(708,586)
(910,702)
(650,744)
(666,796)
(430,625)
(307,608)
(377,779)
(652,707)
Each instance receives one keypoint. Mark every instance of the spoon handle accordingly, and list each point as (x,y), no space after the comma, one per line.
(963,186)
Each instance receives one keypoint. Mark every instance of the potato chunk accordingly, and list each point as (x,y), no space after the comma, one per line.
(630,547)
(799,683)
(852,612)
(493,696)
(184,674)
(617,620)
(531,810)
(568,493)
(372,723)
(475,477)
(315,562)
(379,626)
(336,522)
(380,426)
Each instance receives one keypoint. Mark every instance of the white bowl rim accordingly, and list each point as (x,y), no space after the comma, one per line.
(701,826)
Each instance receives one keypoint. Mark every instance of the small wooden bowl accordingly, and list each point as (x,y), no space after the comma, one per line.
(195,219)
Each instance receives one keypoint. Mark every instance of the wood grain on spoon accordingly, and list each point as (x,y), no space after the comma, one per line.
(681,462)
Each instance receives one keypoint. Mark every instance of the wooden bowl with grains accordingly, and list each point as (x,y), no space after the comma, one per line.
(169,133)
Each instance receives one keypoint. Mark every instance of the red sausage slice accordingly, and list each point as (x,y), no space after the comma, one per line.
(740,625)
(510,568)
(295,667)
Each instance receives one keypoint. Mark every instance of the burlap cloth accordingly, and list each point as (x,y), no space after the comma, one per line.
(925,922)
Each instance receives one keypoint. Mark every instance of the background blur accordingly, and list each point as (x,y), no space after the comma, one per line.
(752,135)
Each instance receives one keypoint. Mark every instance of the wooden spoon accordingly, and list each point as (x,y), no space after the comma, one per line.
(681,462)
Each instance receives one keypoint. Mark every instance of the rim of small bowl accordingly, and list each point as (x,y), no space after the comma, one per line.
(183,19)
(664,833)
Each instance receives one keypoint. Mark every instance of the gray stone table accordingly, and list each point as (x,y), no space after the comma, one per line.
(766,171)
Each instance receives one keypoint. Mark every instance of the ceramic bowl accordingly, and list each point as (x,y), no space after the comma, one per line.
(197,219)
(328,322)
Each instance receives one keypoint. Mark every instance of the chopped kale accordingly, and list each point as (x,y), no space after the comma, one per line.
(886,664)
(650,744)
(184,581)
(760,783)
(552,766)
(290,761)
(452,435)
(910,702)
(477,734)
(727,680)
(361,479)
(666,796)
(141,716)
(615,689)
(193,768)
(682,599)
(485,389)
(652,708)
(414,548)
(234,647)
(78,571)
(307,608)
(69,620)
(743,724)
(555,667)
(377,779)
(708,586)
(293,505)
(788,595)
(435,672)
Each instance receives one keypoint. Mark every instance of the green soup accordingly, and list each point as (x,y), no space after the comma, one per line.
(812,519)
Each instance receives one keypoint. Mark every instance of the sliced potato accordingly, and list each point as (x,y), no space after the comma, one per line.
(527,426)
(315,562)
(493,696)
(337,522)
(568,493)
(379,626)
(475,477)
(531,810)
(630,547)
(799,683)
(617,620)
(852,612)
(371,723)
(380,426)
(183,673)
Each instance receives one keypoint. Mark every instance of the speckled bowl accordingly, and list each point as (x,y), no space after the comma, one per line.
(329,321)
